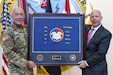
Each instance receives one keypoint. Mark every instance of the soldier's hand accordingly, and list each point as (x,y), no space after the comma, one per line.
(31,64)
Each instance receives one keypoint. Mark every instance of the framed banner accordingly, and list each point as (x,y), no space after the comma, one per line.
(56,39)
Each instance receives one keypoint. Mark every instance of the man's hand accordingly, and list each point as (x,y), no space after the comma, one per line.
(82,64)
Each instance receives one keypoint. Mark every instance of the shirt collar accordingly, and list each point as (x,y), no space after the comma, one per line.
(96,28)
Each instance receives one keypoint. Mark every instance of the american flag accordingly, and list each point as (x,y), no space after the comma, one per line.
(5,69)
(6,20)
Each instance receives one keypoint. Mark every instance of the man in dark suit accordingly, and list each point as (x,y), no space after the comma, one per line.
(95,60)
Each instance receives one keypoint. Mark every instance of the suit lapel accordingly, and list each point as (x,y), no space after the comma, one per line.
(97,33)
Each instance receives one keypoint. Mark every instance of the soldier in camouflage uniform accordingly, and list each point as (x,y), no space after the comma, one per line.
(15,45)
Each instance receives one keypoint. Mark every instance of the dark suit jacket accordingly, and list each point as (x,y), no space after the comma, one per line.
(96,52)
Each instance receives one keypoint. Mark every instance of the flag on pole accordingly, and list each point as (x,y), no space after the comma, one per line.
(5,69)
(1,3)
(67,7)
(5,19)
(44,4)
(74,6)
(48,7)
(89,8)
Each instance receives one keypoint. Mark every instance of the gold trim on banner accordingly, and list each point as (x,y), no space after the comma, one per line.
(82,4)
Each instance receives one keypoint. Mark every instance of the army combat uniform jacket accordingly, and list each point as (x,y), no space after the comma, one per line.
(15,44)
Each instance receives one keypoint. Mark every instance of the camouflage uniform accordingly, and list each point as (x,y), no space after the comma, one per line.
(15,44)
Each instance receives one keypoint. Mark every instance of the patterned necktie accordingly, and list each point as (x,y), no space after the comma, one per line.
(90,35)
